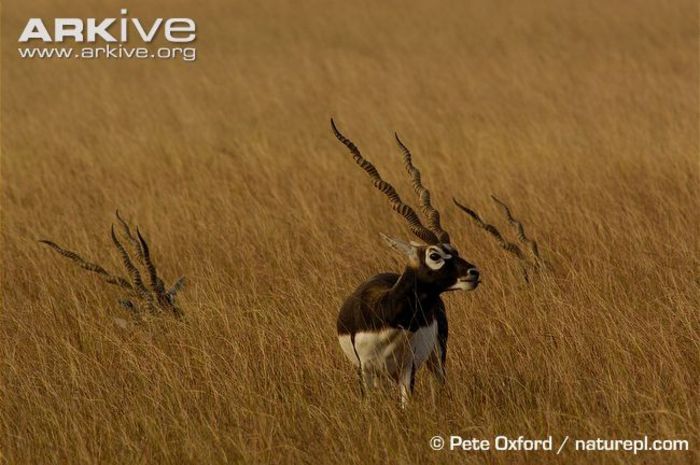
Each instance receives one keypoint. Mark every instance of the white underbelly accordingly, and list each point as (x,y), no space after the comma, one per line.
(390,350)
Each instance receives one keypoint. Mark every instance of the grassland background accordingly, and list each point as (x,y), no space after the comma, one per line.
(583,115)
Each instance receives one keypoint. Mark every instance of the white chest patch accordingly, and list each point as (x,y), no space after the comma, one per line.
(390,350)
(424,341)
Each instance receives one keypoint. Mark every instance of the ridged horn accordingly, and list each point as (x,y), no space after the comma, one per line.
(429,211)
(387,189)
(84,264)
(491,229)
(520,230)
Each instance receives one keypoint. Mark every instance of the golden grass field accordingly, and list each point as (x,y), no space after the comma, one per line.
(582,115)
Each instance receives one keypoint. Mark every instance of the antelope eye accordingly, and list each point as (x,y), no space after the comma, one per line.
(435,257)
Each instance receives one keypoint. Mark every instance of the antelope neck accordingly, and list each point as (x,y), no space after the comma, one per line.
(415,292)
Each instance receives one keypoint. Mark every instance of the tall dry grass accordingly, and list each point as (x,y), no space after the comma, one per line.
(582,115)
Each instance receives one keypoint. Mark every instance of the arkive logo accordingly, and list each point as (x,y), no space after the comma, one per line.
(176,30)
(112,33)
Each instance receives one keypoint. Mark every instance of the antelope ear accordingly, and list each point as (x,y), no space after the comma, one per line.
(405,248)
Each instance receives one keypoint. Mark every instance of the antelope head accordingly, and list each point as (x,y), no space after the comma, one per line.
(434,260)
(152,297)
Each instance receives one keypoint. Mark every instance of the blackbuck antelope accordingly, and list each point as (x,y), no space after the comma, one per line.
(154,298)
(393,323)
(534,263)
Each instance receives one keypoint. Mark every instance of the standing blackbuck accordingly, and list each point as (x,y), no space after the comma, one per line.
(141,298)
(393,323)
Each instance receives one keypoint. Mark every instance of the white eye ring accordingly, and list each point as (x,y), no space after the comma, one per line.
(433,263)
